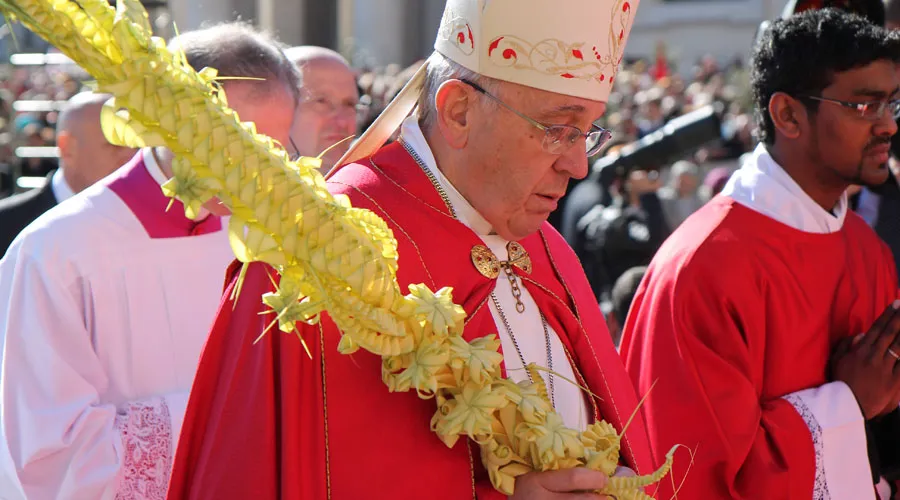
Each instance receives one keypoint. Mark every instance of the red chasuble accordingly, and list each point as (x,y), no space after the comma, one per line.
(737,311)
(265,421)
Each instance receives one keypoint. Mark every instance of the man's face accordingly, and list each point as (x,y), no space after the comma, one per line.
(510,179)
(272,111)
(854,146)
(327,113)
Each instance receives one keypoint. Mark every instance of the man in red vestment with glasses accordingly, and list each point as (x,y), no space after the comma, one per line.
(505,117)
(749,318)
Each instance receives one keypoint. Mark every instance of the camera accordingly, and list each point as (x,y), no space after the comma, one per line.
(676,138)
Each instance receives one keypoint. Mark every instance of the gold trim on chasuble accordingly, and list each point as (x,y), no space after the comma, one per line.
(575,313)
(325,409)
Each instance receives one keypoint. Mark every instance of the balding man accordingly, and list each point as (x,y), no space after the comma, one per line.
(107,299)
(329,102)
(85,157)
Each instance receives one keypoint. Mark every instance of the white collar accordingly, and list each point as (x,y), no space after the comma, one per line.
(61,189)
(160,177)
(414,138)
(153,167)
(764,186)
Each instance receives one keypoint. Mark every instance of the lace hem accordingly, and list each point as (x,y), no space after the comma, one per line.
(820,488)
(146,430)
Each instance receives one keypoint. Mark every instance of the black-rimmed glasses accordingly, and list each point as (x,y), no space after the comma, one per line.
(558,138)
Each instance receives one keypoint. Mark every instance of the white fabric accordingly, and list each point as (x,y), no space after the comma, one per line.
(97,319)
(160,177)
(527,326)
(61,189)
(762,185)
(839,437)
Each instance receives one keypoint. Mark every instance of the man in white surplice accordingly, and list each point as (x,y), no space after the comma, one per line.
(107,301)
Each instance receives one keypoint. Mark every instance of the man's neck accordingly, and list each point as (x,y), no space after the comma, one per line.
(799,168)
(442,158)
(68,176)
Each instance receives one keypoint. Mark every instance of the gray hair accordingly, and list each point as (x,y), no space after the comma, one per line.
(441,69)
(236,49)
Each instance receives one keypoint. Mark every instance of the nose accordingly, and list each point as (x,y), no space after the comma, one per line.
(345,122)
(573,162)
(887,125)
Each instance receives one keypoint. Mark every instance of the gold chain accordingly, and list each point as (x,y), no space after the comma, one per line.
(434,181)
(514,284)
(519,351)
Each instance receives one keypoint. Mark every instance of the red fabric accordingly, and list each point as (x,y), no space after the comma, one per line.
(134,185)
(736,311)
(255,426)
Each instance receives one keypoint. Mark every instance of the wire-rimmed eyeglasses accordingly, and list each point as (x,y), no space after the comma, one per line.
(871,110)
(558,138)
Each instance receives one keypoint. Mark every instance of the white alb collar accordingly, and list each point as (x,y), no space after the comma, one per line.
(61,189)
(160,177)
(414,138)
(764,186)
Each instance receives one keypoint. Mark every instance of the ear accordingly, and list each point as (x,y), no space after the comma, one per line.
(68,146)
(453,101)
(789,115)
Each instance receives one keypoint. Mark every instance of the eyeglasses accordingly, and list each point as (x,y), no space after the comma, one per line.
(871,111)
(558,138)
(324,105)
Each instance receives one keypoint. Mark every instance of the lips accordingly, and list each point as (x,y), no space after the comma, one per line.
(551,200)
(878,150)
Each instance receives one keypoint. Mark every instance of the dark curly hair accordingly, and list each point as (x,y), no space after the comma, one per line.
(799,56)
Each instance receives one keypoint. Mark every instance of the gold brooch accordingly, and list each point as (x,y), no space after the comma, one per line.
(489,266)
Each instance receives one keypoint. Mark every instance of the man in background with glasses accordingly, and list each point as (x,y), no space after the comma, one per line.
(466,189)
(329,109)
(769,318)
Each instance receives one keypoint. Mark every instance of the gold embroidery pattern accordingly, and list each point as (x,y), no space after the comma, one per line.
(457,31)
(575,60)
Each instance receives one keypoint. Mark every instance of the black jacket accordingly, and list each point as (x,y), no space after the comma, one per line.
(614,239)
(19,210)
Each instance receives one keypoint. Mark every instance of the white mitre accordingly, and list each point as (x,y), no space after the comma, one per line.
(569,47)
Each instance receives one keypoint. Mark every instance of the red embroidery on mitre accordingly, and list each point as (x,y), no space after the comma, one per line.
(577,53)
(494,45)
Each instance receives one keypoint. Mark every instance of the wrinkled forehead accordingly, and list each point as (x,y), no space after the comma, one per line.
(323,74)
(551,106)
